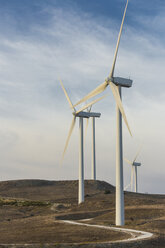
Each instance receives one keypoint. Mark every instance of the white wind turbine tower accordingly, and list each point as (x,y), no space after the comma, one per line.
(116,83)
(134,178)
(93,169)
(81,114)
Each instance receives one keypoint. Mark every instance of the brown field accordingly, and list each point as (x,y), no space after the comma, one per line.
(31,210)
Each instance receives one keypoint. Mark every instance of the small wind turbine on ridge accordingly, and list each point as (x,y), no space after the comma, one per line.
(134,166)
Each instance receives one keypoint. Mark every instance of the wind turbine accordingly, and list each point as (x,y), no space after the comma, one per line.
(81,114)
(115,84)
(93,169)
(134,166)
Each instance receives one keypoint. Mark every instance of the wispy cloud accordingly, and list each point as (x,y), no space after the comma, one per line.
(78,48)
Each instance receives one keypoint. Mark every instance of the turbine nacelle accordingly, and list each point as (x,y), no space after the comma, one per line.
(119,81)
(87,114)
(136,164)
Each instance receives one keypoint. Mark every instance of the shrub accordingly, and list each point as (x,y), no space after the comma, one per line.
(107,191)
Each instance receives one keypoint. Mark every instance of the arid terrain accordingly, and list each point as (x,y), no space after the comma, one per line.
(31,214)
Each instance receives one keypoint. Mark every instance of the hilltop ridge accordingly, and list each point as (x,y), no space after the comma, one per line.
(37,189)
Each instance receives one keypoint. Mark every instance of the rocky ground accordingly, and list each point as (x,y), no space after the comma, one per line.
(31,210)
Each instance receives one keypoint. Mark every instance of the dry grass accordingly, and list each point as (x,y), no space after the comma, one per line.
(28,210)
(43,229)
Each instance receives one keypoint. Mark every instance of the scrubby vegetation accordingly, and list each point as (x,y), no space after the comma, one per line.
(21,203)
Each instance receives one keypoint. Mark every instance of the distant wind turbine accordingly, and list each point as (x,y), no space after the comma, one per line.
(115,84)
(134,166)
(81,114)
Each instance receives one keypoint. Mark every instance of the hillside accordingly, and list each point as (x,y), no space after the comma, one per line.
(31,211)
(51,190)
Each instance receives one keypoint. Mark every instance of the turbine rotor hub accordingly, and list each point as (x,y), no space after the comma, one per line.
(109,79)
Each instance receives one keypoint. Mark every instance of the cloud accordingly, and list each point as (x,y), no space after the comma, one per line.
(78,48)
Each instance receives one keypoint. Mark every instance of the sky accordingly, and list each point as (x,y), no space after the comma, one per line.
(74,40)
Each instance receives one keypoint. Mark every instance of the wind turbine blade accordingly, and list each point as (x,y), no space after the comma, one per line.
(129,162)
(67,97)
(118,42)
(93,93)
(69,135)
(119,103)
(137,154)
(90,104)
(90,108)
(126,187)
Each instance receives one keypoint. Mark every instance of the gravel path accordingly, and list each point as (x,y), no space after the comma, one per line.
(134,234)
